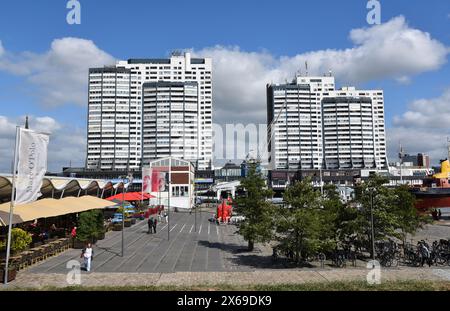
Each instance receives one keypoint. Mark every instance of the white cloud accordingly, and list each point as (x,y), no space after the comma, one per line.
(424,127)
(7,129)
(66,143)
(427,113)
(392,50)
(61,73)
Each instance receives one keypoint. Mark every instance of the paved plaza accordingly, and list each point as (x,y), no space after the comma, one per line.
(201,255)
(207,247)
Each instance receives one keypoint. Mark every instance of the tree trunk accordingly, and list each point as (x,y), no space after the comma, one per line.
(251,245)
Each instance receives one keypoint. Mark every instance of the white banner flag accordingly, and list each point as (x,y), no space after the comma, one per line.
(31,165)
(147,180)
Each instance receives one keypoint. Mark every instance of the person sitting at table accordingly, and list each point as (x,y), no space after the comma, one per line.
(44,236)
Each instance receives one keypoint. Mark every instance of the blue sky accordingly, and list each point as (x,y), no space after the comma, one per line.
(133,28)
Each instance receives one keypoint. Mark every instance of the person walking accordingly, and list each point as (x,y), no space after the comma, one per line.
(159,216)
(150,225)
(166,217)
(155,222)
(439,214)
(73,234)
(424,254)
(87,255)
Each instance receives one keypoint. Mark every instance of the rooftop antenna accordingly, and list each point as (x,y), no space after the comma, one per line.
(330,72)
(401,155)
(306,67)
(27,126)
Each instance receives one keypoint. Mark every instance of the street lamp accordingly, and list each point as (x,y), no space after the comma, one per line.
(130,179)
(372,193)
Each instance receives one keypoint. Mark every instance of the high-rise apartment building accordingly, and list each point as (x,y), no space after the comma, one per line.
(179,68)
(295,122)
(110,131)
(170,121)
(353,129)
(312,125)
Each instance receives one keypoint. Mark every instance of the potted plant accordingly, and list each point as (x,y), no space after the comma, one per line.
(12,273)
(117,227)
(127,223)
(20,241)
(101,235)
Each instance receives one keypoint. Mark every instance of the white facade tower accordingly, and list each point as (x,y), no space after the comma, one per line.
(178,68)
(314,126)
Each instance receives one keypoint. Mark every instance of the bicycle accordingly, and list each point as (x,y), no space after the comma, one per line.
(339,259)
(388,253)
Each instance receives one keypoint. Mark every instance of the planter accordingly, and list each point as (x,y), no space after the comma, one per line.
(127,223)
(12,273)
(79,244)
(101,236)
(117,227)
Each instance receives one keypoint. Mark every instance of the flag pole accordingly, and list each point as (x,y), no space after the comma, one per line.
(11,210)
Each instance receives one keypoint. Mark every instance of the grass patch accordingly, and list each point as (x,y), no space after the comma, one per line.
(412,285)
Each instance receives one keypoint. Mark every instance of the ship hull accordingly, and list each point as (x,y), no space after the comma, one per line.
(430,198)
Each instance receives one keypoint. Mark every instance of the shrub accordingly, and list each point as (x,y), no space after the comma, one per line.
(19,242)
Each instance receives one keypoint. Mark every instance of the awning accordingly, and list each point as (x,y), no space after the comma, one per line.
(57,187)
(46,208)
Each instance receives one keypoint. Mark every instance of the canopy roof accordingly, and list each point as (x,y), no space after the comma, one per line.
(46,208)
(57,187)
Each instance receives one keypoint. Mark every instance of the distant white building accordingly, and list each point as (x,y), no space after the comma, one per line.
(312,125)
(170,121)
(353,129)
(116,111)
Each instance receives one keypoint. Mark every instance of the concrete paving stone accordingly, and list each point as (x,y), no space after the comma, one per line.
(209,255)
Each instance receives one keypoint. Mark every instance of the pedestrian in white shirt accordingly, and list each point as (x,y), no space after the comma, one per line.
(87,256)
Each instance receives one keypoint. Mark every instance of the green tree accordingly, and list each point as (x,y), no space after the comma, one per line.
(253,205)
(99,222)
(409,216)
(394,212)
(302,226)
(89,225)
(340,218)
